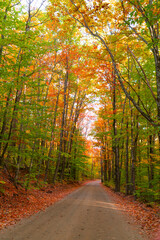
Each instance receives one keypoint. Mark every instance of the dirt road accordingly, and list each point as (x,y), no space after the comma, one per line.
(86,214)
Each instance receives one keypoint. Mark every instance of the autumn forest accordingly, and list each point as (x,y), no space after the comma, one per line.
(80,94)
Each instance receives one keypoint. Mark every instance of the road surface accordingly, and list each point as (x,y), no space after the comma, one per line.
(86,214)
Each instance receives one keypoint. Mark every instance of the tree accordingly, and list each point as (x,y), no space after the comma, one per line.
(89,16)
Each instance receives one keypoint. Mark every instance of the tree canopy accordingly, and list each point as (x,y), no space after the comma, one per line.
(80,93)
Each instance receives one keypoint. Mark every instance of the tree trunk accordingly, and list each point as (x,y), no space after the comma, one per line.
(101,157)
(115,140)
(52,135)
(133,154)
(127,160)
(62,125)
(151,141)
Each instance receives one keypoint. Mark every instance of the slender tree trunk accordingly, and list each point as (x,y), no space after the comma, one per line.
(73,127)
(30,167)
(133,154)
(52,135)
(2,36)
(115,141)
(19,150)
(64,139)
(62,126)
(102,173)
(132,188)
(4,121)
(17,99)
(18,91)
(105,153)
(151,141)
(105,168)
(156,55)
(127,160)
(109,163)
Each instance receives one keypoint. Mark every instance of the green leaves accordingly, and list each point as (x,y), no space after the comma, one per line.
(2,183)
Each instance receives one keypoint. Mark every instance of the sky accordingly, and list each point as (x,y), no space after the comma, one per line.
(35,3)
(90,114)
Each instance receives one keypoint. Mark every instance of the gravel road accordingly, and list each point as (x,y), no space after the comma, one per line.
(86,214)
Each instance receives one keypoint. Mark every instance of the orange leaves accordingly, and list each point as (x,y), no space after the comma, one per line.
(47,83)
(17,204)
(144,215)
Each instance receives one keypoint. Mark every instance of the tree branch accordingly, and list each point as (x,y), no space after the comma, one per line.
(146,116)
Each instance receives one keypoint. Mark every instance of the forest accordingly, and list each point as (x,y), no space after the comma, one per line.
(80,94)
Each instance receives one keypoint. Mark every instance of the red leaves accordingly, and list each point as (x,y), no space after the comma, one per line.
(144,215)
(17,204)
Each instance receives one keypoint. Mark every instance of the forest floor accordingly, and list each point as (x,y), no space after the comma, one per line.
(89,213)
(144,214)
(18,204)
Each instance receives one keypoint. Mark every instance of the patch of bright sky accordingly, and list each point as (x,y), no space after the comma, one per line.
(91,115)
(89,119)
(35,4)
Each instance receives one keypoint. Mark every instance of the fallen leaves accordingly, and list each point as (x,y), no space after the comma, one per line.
(17,204)
(145,216)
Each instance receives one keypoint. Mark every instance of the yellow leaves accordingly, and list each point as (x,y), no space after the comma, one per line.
(76,8)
